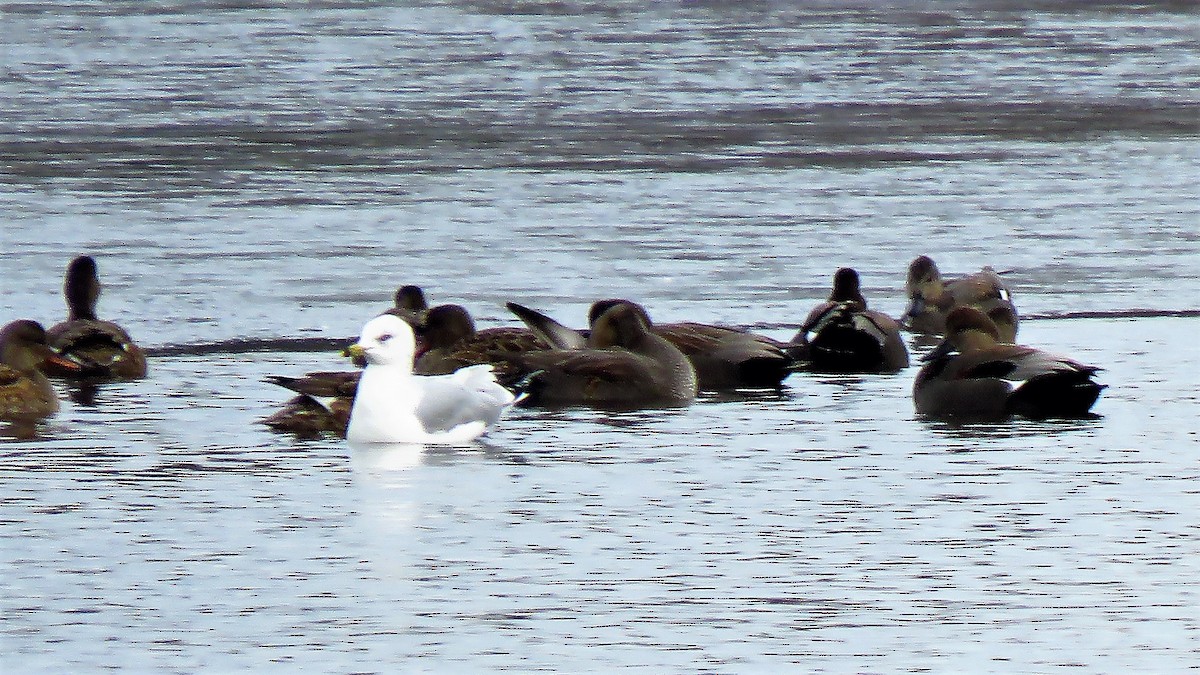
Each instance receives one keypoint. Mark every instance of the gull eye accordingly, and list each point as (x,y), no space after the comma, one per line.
(385,337)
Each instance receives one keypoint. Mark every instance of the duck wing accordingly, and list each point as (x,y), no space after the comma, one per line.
(593,376)
(484,347)
(553,333)
(1016,363)
(726,358)
(325,384)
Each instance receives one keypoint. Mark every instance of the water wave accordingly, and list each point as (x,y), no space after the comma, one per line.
(244,345)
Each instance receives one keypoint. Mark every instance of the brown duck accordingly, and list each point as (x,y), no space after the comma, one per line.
(842,335)
(624,364)
(974,374)
(448,341)
(102,348)
(724,358)
(409,304)
(308,417)
(322,403)
(931,297)
(25,393)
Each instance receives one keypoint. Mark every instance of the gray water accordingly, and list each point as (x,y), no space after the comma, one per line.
(265,170)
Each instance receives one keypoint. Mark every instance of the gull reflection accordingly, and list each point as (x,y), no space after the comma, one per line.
(374,457)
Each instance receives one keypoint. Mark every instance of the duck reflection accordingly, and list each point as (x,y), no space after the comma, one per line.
(971,431)
(83,392)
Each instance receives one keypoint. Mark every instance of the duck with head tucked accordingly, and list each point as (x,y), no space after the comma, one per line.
(623,364)
(974,374)
(724,358)
(25,393)
(322,403)
(308,416)
(842,335)
(932,297)
(102,348)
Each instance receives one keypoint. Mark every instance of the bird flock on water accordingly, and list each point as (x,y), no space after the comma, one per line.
(428,375)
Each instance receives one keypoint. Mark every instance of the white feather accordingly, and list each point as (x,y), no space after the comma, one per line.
(393,405)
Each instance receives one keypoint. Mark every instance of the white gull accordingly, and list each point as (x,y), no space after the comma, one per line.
(394,405)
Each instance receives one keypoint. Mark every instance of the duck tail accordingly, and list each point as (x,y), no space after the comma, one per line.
(1062,394)
(527,388)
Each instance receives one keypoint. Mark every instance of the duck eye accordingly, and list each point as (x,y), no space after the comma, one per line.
(385,337)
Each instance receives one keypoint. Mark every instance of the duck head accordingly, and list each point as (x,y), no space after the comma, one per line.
(444,326)
(409,304)
(81,287)
(846,287)
(1005,321)
(967,329)
(23,348)
(599,307)
(924,286)
(622,324)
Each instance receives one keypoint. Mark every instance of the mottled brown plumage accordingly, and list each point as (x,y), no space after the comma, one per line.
(322,383)
(322,404)
(307,417)
(102,348)
(931,297)
(448,340)
(25,393)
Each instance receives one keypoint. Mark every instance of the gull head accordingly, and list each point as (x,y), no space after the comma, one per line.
(385,340)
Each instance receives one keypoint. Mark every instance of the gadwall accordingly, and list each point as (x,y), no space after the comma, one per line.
(973,374)
(26,395)
(624,364)
(309,417)
(842,335)
(102,348)
(724,358)
(322,402)
(447,340)
(931,297)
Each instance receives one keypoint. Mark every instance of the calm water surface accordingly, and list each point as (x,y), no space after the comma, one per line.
(259,170)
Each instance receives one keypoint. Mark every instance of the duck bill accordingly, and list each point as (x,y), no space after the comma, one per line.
(915,307)
(55,363)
